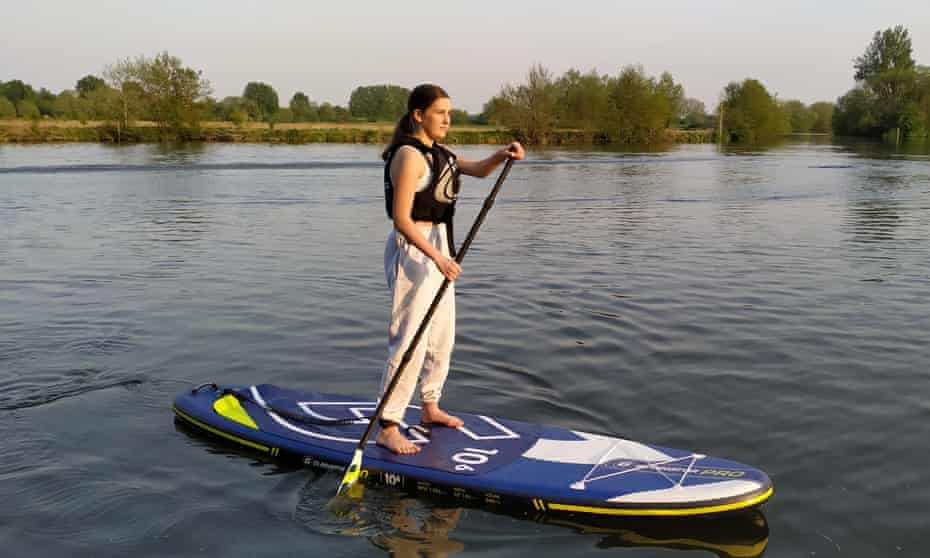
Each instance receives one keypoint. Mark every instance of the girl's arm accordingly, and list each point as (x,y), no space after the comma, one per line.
(486,166)
(406,170)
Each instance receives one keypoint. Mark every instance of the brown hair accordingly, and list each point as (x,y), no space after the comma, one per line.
(421,98)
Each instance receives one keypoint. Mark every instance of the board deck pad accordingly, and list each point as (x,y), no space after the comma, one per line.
(491,459)
(505,441)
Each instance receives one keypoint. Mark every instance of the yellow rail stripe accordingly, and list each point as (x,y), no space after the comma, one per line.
(228,436)
(665,512)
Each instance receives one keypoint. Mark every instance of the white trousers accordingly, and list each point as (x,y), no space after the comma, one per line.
(413,280)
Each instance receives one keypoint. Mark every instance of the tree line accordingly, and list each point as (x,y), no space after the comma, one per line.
(748,113)
(892,95)
(891,99)
(633,107)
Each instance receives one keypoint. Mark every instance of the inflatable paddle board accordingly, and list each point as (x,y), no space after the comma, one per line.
(489,462)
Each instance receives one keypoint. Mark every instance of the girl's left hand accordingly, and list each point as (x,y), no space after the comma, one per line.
(515,151)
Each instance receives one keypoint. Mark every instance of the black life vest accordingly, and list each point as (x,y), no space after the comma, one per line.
(436,202)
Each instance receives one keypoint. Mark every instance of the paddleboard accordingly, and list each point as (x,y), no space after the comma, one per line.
(490,462)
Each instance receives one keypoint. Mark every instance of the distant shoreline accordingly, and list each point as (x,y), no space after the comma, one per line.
(62,131)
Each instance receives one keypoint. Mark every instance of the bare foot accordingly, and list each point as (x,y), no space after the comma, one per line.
(432,414)
(392,439)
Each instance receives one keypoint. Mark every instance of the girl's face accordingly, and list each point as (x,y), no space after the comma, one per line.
(435,120)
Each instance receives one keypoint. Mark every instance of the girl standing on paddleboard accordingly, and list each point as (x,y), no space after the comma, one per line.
(421,183)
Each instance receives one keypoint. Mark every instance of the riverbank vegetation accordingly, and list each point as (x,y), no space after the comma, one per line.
(157,99)
(47,131)
(891,98)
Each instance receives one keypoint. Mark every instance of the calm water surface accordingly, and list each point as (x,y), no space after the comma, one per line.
(767,306)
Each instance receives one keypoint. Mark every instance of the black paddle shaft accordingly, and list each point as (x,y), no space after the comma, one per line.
(408,354)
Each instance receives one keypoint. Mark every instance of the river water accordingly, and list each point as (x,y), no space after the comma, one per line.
(767,306)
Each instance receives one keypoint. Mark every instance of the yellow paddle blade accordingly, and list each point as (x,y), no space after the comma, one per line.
(350,478)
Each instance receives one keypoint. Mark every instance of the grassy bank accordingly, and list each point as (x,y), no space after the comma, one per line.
(52,131)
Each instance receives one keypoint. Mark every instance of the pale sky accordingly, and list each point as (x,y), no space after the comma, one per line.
(799,50)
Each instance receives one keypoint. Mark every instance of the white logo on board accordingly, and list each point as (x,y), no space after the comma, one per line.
(471,456)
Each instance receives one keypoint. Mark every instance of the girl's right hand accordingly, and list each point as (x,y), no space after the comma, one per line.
(449,268)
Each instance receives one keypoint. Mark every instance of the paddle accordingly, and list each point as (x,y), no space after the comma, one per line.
(355,466)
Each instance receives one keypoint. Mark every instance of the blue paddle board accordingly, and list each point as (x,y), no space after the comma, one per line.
(489,461)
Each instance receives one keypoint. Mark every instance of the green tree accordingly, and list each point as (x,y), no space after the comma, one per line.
(45,100)
(890,50)
(801,118)
(87,84)
(921,126)
(124,77)
(327,113)
(223,110)
(251,109)
(640,107)
(529,107)
(171,92)
(284,115)
(209,109)
(854,114)
(27,110)
(70,106)
(17,91)
(888,70)
(823,117)
(498,111)
(104,103)
(751,114)
(460,116)
(238,117)
(333,113)
(672,94)
(379,102)
(692,115)
(7,109)
(265,100)
(302,109)
(233,109)
(582,100)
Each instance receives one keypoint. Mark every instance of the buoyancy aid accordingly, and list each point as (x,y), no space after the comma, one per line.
(436,202)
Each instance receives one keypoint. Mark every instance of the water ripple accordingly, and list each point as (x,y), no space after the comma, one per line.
(21,393)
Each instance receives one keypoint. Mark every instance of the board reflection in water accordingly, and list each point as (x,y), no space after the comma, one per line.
(405,526)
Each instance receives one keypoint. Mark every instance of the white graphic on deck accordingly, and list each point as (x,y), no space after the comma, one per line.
(357,411)
(505,433)
(319,435)
(472,456)
(362,409)
(606,455)
(654,466)
(688,494)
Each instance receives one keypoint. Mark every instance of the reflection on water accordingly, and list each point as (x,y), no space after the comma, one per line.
(410,527)
(739,535)
(174,153)
(418,532)
(874,149)
(407,527)
(873,220)
(403,527)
